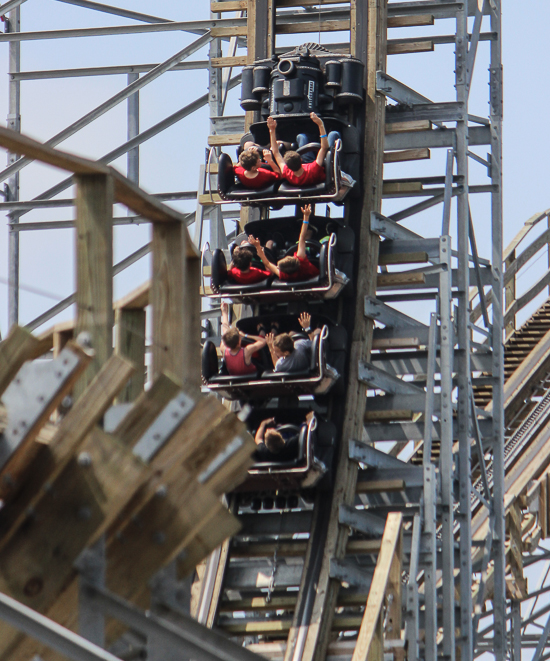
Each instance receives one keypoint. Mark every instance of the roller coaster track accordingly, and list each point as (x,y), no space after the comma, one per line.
(324,579)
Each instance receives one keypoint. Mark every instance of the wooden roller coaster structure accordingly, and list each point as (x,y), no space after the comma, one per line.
(439,497)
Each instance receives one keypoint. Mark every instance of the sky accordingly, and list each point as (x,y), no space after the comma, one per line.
(170,161)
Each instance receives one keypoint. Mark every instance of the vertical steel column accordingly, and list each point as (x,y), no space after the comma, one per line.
(133,131)
(464,514)
(13,24)
(499,601)
(446,456)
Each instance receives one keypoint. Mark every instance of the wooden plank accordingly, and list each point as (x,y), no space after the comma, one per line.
(70,434)
(147,407)
(82,501)
(207,199)
(410,21)
(228,5)
(12,472)
(313,26)
(19,346)
(167,300)
(223,140)
(237,61)
(403,258)
(398,279)
(309,3)
(18,143)
(369,634)
(130,343)
(406,155)
(376,486)
(405,127)
(238,31)
(401,187)
(414,47)
(94,271)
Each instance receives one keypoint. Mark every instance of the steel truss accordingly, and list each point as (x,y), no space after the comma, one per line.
(448,555)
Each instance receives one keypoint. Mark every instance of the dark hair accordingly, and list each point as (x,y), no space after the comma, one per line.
(248,159)
(293,160)
(274,441)
(288,265)
(242,258)
(284,342)
(231,338)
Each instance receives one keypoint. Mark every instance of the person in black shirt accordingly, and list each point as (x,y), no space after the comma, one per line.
(275,445)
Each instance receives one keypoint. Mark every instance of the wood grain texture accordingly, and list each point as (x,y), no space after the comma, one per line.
(18,347)
(130,343)
(369,645)
(94,270)
(81,501)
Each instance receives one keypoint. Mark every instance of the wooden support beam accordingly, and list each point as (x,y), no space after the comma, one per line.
(228,5)
(174,297)
(414,47)
(313,26)
(402,127)
(387,575)
(406,155)
(410,21)
(130,343)
(94,269)
(237,61)
(19,346)
(69,436)
(80,503)
(224,140)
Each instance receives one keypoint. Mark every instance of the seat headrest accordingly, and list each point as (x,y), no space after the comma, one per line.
(209,361)
(226,175)
(219,269)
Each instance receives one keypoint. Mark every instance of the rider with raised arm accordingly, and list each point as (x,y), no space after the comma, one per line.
(294,268)
(250,172)
(238,359)
(293,169)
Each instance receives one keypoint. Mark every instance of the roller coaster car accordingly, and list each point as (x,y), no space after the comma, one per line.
(318,379)
(314,456)
(231,190)
(327,285)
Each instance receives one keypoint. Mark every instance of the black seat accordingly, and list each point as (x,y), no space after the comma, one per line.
(209,363)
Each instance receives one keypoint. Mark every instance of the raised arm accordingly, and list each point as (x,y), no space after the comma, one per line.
(269,339)
(323,136)
(272,126)
(269,160)
(260,432)
(250,349)
(261,254)
(301,252)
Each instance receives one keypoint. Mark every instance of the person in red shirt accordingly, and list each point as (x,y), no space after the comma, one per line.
(240,269)
(250,173)
(294,268)
(238,359)
(292,168)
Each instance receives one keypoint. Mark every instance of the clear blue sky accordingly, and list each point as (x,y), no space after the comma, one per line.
(170,161)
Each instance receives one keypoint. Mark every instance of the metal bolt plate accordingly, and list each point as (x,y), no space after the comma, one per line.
(164,426)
